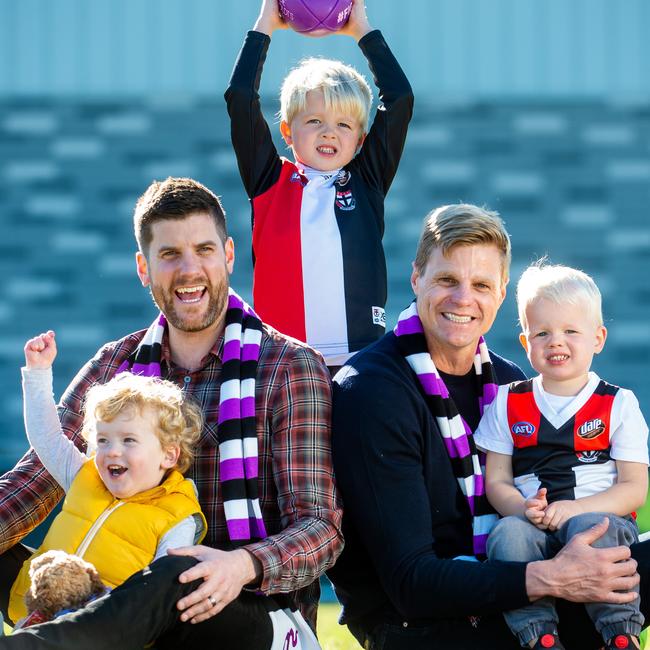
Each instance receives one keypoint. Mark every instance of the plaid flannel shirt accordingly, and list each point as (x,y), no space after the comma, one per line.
(298,498)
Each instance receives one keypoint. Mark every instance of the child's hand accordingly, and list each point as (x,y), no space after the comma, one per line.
(40,351)
(357,25)
(536,508)
(269,19)
(558,512)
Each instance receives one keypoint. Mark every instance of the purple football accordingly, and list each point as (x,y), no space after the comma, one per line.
(315,17)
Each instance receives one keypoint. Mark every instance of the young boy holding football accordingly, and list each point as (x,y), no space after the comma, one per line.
(318,221)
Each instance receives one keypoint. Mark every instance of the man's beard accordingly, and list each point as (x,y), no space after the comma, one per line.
(217,299)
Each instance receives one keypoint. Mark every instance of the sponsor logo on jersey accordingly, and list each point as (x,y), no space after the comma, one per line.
(523,429)
(345,200)
(379,316)
(291,639)
(588,456)
(343,178)
(591,429)
(297,177)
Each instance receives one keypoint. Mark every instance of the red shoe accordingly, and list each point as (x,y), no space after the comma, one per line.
(623,642)
(549,640)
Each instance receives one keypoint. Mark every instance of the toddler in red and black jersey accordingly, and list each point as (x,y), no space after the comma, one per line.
(563,449)
(318,222)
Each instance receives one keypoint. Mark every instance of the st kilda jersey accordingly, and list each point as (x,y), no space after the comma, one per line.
(567,445)
(320,271)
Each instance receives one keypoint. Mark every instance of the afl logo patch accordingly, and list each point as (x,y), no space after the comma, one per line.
(524,429)
(591,429)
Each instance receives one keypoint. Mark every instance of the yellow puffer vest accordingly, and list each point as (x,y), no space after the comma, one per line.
(119,536)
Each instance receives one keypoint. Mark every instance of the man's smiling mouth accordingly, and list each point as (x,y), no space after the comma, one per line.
(190,294)
(457,318)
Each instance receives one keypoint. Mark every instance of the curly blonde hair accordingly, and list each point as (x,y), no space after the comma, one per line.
(179,420)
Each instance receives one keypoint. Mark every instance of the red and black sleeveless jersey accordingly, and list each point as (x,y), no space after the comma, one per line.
(321,281)
(560,457)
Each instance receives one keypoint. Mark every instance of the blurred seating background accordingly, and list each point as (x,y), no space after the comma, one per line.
(540,110)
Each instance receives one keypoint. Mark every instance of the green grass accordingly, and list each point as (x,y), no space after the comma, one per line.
(331,635)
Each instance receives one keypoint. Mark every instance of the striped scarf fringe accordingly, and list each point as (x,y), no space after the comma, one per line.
(236,430)
(467,462)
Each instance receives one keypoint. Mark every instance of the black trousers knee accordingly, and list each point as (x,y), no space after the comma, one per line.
(143,609)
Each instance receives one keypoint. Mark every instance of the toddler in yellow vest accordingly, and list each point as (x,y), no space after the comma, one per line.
(127,501)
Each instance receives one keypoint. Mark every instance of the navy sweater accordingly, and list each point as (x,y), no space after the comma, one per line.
(404,514)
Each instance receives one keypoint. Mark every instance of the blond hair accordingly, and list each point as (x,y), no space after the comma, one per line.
(178,420)
(343,88)
(462,224)
(559,285)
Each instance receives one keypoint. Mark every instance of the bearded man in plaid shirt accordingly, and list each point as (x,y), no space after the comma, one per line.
(265,561)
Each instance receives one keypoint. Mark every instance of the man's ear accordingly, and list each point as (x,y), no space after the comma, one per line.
(143,268)
(414,278)
(229,249)
(503,290)
(285,130)
(524,342)
(362,139)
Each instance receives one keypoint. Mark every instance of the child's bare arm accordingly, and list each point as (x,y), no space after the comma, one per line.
(499,485)
(626,495)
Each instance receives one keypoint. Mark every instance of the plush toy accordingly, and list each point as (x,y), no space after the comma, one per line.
(60,583)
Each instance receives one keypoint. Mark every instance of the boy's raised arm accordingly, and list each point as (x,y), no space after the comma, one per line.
(269,19)
(357,24)
(257,158)
(381,152)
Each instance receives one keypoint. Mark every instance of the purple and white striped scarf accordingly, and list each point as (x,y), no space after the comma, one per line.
(468,463)
(236,430)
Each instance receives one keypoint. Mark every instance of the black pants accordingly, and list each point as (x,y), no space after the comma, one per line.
(143,609)
(576,629)
(11,562)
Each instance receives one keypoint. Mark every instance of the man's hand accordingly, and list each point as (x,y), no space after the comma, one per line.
(357,25)
(535,508)
(40,351)
(558,512)
(224,574)
(269,18)
(584,574)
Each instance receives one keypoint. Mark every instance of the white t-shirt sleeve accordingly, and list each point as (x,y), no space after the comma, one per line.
(492,433)
(628,429)
(55,450)
(185,533)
